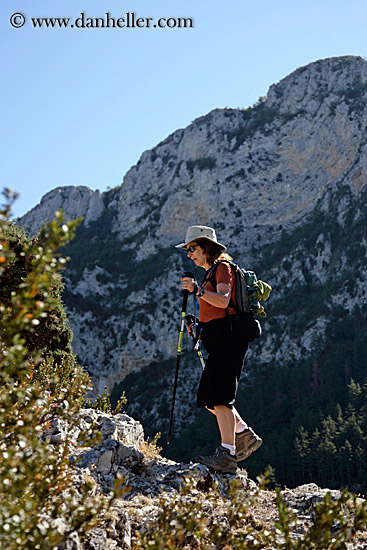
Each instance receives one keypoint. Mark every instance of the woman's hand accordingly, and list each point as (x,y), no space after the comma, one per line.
(189,329)
(188,283)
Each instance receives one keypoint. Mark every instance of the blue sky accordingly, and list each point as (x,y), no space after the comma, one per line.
(80,106)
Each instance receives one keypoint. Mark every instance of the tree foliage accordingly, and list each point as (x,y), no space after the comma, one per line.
(39,382)
(48,331)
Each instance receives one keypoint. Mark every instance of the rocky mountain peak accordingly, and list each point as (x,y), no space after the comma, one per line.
(264,167)
(75,202)
(326,80)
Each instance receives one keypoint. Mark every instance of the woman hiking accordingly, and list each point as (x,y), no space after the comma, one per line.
(226,345)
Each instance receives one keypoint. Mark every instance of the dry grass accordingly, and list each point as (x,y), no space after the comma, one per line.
(150,449)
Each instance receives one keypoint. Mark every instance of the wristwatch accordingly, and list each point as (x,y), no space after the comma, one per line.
(201,292)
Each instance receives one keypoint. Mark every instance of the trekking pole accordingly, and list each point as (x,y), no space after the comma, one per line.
(190,321)
(200,355)
(182,329)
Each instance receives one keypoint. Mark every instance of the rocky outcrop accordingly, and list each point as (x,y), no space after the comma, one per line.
(75,202)
(153,481)
(123,452)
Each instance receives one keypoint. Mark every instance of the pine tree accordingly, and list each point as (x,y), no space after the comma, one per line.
(303,450)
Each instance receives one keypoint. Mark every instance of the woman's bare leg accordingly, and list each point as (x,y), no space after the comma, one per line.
(226,423)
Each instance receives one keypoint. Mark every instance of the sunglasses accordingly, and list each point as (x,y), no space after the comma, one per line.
(191,248)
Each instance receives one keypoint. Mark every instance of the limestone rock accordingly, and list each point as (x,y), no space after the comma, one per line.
(74,201)
(305,497)
(154,480)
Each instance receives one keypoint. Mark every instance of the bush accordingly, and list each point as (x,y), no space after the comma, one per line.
(37,494)
(103,403)
(192,520)
(204,163)
(48,330)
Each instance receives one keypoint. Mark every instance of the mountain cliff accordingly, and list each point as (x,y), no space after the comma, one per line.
(284,184)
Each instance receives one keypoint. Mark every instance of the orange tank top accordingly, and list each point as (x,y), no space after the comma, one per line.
(223,274)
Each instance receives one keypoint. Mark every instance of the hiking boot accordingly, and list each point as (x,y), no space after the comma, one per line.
(222,461)
(246,443)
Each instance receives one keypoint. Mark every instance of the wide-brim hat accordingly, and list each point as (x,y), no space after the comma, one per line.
(199,232)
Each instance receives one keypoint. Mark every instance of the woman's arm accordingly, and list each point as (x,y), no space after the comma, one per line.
(220,298)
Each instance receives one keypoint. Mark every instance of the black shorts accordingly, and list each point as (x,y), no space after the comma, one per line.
(226,346)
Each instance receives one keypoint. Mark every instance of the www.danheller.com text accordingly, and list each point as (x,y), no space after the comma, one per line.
(128,20)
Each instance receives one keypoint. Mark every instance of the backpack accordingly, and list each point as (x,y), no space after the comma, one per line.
(248,293)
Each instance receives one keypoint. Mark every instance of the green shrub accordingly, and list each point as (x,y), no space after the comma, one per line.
(204,163)
(103,403)
(36,477)
(50,331)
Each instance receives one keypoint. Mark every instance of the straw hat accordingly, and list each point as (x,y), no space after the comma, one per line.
(198,232)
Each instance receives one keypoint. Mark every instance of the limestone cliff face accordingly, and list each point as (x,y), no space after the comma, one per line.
(254,169)
(75,202)
(265,177)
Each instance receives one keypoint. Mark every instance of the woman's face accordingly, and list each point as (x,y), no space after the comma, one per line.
(198,256)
